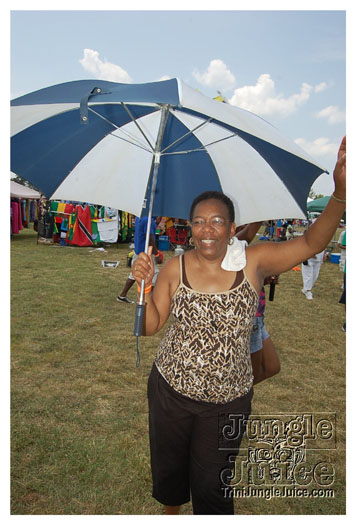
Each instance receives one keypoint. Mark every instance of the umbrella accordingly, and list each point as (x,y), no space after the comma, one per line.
(162,143)
(95,141)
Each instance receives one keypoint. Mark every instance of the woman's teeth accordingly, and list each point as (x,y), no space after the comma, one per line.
(208,241)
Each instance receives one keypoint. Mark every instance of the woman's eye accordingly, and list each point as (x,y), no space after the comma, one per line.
(218,222)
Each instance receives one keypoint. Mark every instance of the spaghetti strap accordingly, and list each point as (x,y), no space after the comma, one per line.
(238,279)
(183,275)
(181,262)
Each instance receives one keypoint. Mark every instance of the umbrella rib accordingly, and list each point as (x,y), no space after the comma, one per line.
(190,132)
(203,147)
(135,122)
(124,132)
(130,142)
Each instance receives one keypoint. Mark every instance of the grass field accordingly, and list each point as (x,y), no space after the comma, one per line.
(79,435)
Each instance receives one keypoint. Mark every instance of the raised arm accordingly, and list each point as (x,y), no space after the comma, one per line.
(248,233)
(275,258)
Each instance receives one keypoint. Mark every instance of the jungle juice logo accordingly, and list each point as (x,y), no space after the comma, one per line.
(283,453)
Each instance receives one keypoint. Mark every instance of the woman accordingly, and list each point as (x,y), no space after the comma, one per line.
(264,357)
(200,387)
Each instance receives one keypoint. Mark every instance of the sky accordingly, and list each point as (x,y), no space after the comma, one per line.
(288,67)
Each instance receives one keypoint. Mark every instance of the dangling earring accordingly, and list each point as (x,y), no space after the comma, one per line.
(191,242)
(231,241)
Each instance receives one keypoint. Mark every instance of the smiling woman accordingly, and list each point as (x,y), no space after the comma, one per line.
(202,371)
(212,230)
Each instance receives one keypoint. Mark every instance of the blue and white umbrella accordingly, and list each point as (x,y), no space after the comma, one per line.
(162,143)
(97,141)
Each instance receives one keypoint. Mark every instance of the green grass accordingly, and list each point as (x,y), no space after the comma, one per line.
(79,433)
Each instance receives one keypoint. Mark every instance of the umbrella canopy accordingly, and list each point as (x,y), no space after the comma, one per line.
(97,141)
(318,205)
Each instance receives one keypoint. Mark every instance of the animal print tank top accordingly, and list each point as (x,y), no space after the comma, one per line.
(205,353)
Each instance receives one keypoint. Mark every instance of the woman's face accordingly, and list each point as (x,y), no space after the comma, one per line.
(211,228)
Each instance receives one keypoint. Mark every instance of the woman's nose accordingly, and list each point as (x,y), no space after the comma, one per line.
(208,226)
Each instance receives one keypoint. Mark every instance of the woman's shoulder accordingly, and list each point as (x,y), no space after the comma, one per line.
(172,266)
(173,261)
(169,275)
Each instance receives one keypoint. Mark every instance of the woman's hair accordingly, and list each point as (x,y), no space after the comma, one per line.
(217,195)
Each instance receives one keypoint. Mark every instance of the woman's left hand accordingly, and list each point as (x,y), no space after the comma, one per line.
(340,172)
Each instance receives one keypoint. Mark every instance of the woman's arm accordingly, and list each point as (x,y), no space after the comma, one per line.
(158,301)
(275,258)
(248,233)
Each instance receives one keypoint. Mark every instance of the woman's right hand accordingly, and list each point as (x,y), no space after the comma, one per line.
(143,268)
(271,279)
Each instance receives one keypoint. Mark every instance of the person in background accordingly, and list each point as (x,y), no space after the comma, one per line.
(310,272)
(271,230)
(289,231)
(343,295)
(342,250)
(139,242)
(264,357)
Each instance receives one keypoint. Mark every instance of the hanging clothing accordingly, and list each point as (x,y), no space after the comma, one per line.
(68,208)
(124,225)
(46,225)
(23,214)
(27,208)
(15,217)
(94,227)
(82,227)
(108,230)
(32,211)
(106,223)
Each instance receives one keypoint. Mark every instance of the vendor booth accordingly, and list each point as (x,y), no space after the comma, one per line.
(24,206)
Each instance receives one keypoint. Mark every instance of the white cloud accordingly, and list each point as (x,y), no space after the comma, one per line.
(333,114)
(263,99)
(320,87)
(216,76)
(164,77)
(320,147)
(103,69)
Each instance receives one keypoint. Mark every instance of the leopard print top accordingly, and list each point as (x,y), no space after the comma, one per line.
(205,353)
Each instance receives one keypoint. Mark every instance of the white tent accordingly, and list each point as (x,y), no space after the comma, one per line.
(22,192)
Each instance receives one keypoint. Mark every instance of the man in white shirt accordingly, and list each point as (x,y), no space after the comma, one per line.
(342,251)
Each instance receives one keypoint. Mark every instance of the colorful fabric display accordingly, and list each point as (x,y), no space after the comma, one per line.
(94,227)
(108,230)
(15,217)
(124,225)
(23,212)
(69,208)
(61,207)
(33,205)
(82,227)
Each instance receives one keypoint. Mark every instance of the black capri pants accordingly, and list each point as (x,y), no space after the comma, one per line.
(193,446)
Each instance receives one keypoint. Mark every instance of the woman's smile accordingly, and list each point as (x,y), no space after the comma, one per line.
(211,228)
(208,242)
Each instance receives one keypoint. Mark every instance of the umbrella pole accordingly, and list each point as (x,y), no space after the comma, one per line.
(140,307)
